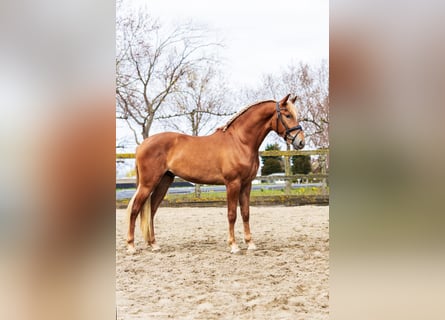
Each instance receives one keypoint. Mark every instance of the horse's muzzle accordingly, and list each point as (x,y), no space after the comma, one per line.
(301,145)
(298,143)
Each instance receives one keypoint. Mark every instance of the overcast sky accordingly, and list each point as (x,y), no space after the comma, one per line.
(259,36)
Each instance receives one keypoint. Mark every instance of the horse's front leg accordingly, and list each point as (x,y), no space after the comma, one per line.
(244,201)
(233,193)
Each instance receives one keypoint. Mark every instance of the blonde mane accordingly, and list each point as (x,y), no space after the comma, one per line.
(239,113)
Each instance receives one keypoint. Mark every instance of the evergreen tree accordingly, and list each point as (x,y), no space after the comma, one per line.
(301,164)
(272,164)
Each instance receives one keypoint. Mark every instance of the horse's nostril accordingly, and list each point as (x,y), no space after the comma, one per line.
(301,144)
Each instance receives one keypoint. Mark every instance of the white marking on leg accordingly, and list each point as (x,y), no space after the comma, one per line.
(235,248)
(131,249)
(155,247)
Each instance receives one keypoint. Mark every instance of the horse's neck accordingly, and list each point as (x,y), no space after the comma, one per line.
(253,126)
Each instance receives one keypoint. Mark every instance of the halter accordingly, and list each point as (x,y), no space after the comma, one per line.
(287,135)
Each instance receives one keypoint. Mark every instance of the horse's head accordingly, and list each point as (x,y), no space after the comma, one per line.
(287,124)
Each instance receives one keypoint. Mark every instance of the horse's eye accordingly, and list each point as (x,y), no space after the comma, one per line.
(288,116)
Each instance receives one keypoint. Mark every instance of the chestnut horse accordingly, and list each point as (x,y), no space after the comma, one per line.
(229,156)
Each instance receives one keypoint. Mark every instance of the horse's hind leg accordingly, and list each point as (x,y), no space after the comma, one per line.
(133,209)
(156,199)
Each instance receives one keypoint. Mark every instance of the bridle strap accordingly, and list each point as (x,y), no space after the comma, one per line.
(288,130)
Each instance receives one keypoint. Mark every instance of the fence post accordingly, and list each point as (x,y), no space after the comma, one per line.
(323,163)
(287,172)
(197,190)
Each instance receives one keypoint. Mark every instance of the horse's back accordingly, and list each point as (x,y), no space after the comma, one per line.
(157,143)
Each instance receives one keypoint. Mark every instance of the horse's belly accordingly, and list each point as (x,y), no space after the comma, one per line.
(197,172)
(200,176)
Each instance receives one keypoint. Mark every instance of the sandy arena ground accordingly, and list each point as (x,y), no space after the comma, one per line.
(195,277)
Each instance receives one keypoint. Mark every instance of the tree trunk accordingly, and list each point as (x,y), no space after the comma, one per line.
(147,126)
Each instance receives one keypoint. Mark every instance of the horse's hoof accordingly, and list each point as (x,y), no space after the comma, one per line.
(131,250)
(251,246)
(155,248)
(235,250)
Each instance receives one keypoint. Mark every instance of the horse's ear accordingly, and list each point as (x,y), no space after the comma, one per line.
(284,100)
(293,100)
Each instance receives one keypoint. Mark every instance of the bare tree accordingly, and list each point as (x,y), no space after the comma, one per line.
(201,102)
(150,63)
(310,85)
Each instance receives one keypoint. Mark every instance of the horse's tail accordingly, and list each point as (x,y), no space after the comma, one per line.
(146,219)
(130,207)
